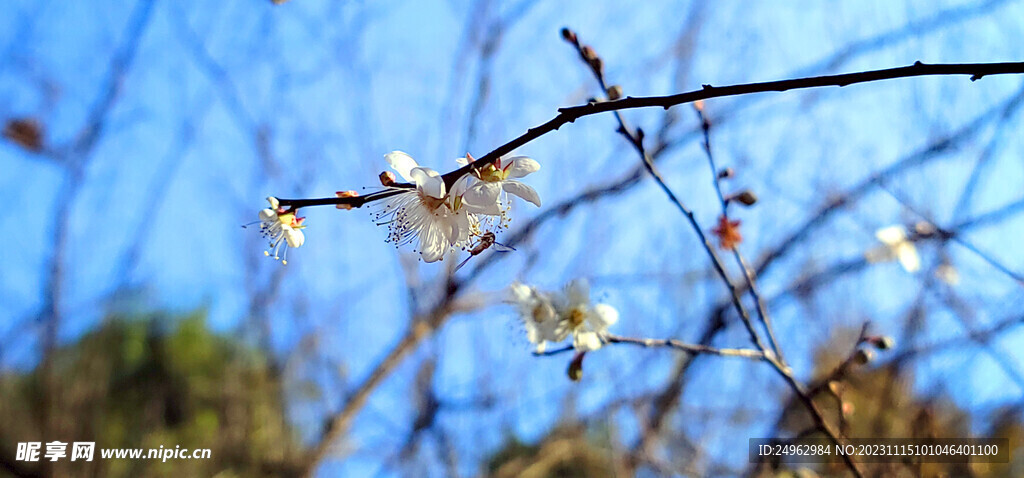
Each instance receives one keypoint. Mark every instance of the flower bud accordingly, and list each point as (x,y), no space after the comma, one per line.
(345,194)
(925,228)
(614,92)
(568,35)
(863,356)
(25,132)
(745,197)
(387,178)
(576,367)
(588,53)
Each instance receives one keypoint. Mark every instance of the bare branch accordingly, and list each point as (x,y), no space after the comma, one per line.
(568,115)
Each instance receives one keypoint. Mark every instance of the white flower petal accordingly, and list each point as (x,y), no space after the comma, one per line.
(519,292)
(294,237)
(891,235)
(586,341)
(459,223)
(428,181)
(267,215)
(520,166)
(401,163)
(519,189)
(464,183)
(482,198)
(603,316)
(577,292)
(534,337)
(557,329)
(274,203)
(907,254)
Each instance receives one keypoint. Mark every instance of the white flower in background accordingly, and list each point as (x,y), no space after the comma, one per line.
(281,228)
(484,196)
(538,315)
(587,323)
(423,214)
(896,246)
(552,317)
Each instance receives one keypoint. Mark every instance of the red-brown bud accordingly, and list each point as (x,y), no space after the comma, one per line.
(345,194)
(568,35)
(614,92)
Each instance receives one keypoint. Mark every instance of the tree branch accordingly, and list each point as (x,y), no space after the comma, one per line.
(569,115)
(693,349)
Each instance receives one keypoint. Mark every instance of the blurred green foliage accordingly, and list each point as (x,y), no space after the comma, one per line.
(566,452)
(147,381)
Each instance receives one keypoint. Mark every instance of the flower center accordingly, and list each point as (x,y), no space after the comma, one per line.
(492,174)
(576,316)
(430,202)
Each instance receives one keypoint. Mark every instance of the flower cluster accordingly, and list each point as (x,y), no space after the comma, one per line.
(554,316)
(896,245)
(440,219)
(281,228)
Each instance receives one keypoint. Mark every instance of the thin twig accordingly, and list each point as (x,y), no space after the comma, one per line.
(636,138)
(748,273)
(667,343)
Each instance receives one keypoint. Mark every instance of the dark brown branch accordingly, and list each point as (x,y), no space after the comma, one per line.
(568,115)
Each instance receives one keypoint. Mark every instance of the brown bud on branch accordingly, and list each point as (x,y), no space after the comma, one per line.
(569,36)
(745,197)
(575,371)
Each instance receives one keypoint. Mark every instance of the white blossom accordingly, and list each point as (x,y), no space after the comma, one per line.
(425,214)
(440,219)
(895,246)
(485,195)
(552,317)
(538,315)
(280,228)
(586,322)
